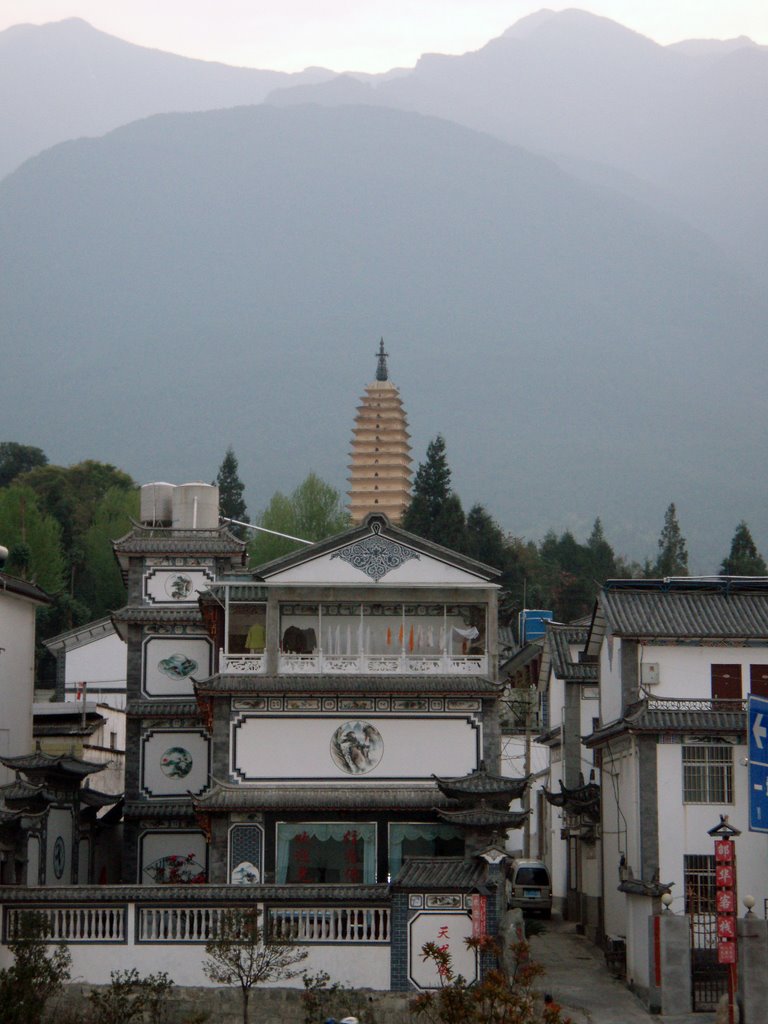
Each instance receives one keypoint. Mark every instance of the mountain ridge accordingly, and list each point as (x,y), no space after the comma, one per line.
(229,272)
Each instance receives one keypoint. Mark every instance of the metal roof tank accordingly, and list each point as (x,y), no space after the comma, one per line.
(196,507)
(156,504)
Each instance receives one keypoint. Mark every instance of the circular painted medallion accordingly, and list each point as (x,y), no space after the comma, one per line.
(356,747)
(179,587)
(176,763)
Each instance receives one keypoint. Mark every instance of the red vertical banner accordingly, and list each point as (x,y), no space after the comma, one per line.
(479,916)
(725,901)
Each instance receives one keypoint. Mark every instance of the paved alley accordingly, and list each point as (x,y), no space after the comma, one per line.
(578,979)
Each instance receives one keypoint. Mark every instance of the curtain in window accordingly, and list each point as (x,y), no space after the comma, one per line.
(425,831)
(323,832)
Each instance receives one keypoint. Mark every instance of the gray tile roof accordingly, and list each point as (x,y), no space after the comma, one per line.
(229,895)
(410,540)
(92,798)
(51,764)
(23,588)
(242,683)
(677,716)
(681,614)
(484,817)
(357,797)
(165,540)
(141,613)
(163,708)
(481,784)
(74,638)
(160,809)
(560,639)
(441,873)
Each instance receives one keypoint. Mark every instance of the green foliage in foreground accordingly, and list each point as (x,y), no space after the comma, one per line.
(129,997)
(497,999)
(323,999)
(242,956)
(38,973)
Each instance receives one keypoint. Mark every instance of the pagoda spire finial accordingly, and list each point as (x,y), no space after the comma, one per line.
(381,369)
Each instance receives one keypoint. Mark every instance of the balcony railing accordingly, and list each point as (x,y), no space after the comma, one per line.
(181,920)
(180,924)
(339,924)
(358,664)
(71,924)
(693,704)
(252,664)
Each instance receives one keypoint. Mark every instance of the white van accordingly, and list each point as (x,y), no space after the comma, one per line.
(529,887)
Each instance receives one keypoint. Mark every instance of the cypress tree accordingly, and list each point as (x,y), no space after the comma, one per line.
(744,558)
(231,488)
(672,559)
(435,512)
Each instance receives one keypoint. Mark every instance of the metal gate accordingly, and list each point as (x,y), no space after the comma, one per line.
(709,979)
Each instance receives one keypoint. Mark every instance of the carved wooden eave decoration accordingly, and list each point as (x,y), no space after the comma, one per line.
(205,825)
(205,707)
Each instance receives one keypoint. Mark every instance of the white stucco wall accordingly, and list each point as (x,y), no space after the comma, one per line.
(17,668)
(620,830)
(558,847)
(92,963)
(102,665)
(683,828)
(685,672)
(610,680)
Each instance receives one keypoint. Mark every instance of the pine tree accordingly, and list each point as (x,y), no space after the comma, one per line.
(18,458)
(601,555)
(231,488)
(435,512)
(744,558)
(672,559)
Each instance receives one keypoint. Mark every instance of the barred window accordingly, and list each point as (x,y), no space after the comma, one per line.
(708,774)
(699,883)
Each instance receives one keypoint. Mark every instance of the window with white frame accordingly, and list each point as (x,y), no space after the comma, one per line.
(707,773)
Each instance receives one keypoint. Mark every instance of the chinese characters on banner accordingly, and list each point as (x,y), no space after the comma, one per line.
(352,871)
(725,900)
(445,938)
(479,916)
(301,856)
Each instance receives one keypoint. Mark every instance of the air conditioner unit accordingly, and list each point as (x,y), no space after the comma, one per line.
(649,673)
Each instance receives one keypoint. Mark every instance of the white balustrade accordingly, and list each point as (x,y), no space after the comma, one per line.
(383,664)
(71,924)
(298,664)
(330,924)
(180,924)
(253,664)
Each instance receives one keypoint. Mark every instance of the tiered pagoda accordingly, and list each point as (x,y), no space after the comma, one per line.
(380,471)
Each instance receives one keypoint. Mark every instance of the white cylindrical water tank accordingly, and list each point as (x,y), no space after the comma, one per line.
(156,504)
(196,507)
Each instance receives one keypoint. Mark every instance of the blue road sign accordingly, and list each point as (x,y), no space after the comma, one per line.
(757,734)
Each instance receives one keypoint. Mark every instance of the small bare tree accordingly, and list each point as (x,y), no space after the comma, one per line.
(243,955)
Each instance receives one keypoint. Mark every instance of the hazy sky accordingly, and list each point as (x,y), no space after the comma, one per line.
(366,35)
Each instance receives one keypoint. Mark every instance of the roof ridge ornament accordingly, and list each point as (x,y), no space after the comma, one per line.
(381,369)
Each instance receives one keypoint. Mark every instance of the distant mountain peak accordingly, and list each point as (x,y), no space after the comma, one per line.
(556,24)
(528,24)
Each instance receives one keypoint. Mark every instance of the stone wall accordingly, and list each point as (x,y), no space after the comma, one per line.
(224,1006)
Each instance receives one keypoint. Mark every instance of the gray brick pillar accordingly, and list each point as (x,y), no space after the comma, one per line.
(669,945)
(752,935)
(398,943)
